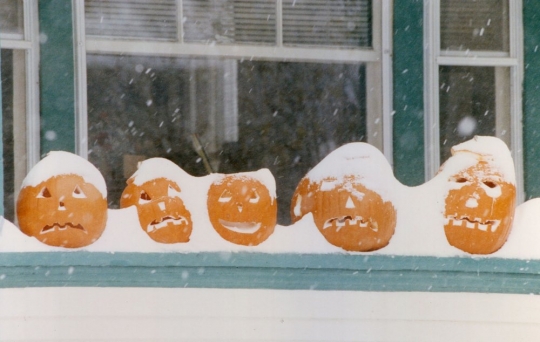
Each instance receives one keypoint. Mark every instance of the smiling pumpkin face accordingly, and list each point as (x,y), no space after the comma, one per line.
(62,211)
(162,213)
(353,217)
(241,209)
(479,209)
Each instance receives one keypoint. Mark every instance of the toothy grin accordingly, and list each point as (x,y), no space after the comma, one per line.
(340,222)
(241,227)
(59,227)
(164,222)
(477,223)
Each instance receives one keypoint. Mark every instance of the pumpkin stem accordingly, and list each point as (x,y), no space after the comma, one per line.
(201,152)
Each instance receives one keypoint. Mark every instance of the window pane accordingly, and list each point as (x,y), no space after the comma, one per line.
(11,17)
(140,19)
(473,101)
(247,114)
(251,21)
(13,126)
(474,25)
(327,23)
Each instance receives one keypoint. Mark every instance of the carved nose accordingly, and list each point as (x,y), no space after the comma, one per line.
(239,206)
(61,206)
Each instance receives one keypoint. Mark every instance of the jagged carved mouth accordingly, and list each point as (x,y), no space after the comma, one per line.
(241,227)
(164,222)
(356,221)
(59,227)
(476,223)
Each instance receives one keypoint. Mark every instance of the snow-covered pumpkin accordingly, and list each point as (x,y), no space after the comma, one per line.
(242,207)
(480,204)
(162,213)
(349,194)
(63,201)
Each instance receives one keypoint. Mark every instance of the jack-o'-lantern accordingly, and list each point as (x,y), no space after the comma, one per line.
(303,200)
(479,210)
(353,217)
(242,209)
(480,205)
(162,213)
(64,210)
(350,196)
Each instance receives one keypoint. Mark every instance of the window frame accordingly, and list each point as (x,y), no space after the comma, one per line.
(434,57)
(29,43)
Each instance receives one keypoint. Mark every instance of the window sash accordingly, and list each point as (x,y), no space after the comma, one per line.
(435,57)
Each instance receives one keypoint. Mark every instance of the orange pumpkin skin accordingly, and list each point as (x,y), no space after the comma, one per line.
(241,209)
(163,217)
(303,200)
(474,221)
(62,211)
(354,217)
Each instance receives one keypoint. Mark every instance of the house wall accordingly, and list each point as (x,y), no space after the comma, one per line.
(104,314)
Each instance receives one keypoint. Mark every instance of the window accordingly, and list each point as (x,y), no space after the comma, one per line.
(257,84)
(20,108)
(473,76)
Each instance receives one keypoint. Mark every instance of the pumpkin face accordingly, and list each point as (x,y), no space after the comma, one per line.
(479,209)
(62,211)
(161,212)
(241,209)
(353,217)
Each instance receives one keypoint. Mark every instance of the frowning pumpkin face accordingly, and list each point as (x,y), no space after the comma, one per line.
(479,209)
(241,209)
(63,211)
(353,217)
(162,213)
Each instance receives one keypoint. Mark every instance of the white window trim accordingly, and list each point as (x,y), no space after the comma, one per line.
(29,43)
(434,57)
(379,65)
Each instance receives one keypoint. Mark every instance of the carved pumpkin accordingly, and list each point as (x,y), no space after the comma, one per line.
(344,194)
(303,200)
(162,213)
(242,209)
(63,210)
(353,217)
(479,207)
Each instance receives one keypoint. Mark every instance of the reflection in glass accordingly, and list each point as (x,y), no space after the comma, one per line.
(247,115)
(11,17)
(480,25)
(473,101)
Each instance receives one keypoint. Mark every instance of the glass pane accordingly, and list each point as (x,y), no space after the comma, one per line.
(480,25)
(11,17)
(7,132)
(142,19)
(327,23)
(247,114)
(473,101)
(13,126)
(211,21)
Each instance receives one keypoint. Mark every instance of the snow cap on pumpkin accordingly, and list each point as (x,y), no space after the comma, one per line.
(153,168)
(263,175)
(58,163)
(358,159)
(482,148)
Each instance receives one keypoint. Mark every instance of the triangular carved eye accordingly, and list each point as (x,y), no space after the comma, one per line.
(350,203)
(78,193)
(254,198)
(144,198)
(44,193)
(225,197)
